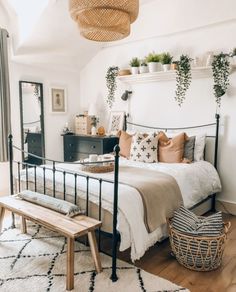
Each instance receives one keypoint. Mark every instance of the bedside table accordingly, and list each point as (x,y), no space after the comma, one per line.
(78,147)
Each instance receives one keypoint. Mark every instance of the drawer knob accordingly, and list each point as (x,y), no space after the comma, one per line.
(93,147)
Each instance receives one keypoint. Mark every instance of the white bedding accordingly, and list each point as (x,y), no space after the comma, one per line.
(196,181)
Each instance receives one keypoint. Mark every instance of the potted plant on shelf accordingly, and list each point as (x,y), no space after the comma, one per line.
(183,78)
(111,75)
(143,67)
(153,61)
(166,60)
(135,63)
(221,70)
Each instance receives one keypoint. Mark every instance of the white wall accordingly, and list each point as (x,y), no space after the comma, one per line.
(192,27)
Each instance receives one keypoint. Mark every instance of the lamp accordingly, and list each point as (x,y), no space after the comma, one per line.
(104,20)
(126,95)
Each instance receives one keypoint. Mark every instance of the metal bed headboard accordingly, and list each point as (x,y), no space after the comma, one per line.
(216,136)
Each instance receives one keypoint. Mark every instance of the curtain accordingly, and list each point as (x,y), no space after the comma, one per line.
(5,115)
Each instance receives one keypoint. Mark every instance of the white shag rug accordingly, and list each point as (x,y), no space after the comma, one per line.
(36,262)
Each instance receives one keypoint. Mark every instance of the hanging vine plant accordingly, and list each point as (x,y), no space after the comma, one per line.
(111,75)
(183,78)
(221,70)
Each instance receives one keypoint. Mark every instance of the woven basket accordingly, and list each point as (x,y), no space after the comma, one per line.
(98,168)
(198,253)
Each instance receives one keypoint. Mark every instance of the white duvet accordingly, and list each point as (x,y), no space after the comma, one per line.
(196,181)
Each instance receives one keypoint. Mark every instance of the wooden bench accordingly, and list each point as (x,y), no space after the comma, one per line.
(69,227)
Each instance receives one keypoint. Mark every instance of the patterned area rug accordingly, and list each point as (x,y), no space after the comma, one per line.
(36,262)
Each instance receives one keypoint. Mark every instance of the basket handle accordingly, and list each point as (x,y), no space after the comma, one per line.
(227,226)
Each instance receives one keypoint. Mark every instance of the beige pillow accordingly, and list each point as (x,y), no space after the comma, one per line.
(124,143)
(171,150)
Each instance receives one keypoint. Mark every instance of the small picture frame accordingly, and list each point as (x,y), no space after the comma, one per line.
(58,100)
(116,122)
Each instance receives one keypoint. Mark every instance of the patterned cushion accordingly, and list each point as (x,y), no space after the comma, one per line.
(188,223)
(144,148)
(189,148)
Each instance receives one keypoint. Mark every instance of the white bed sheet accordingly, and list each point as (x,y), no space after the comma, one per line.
(196,181)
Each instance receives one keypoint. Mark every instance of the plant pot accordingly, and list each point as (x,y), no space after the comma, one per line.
(173,66)
(143,69)
(166,67)
(135,70)
(153,67)
(93,131)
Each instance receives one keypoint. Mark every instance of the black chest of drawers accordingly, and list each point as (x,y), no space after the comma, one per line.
(78,147)
(34,143)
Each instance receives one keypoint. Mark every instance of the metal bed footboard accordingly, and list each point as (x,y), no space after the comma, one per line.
(24,165)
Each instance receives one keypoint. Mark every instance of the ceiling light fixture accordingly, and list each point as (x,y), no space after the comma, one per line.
(104,20)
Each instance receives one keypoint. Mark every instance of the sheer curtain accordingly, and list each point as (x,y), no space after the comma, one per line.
(5,110)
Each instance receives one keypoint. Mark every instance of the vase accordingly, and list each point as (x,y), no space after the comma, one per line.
(134,70)
(143,69)
(93,131)
(234,60)
(166,67)
(153,67)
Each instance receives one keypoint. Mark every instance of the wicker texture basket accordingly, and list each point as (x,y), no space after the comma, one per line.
(104,20)
(98,168)
(198,253)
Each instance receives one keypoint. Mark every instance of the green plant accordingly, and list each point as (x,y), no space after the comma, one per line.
(111,75)
(94,121)
(221,70)
(135,62)
(152,57)
(166,58)
(183,78)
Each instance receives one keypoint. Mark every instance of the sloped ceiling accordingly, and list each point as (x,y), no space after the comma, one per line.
(54,39)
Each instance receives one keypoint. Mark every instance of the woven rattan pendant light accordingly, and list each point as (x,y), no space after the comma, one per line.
(104,20)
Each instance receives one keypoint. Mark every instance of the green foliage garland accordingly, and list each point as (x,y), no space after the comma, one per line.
(221,70)
(183,78)
(111,75)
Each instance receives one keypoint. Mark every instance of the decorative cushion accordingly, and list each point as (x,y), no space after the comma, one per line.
(61,206)
(188,223)
(189,146)
(171,150)
(125,143)
(144,148)
(200,143)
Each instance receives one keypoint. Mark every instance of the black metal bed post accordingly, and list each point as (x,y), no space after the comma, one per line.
(125,122)
(217,116)
(114,277)
(10,153)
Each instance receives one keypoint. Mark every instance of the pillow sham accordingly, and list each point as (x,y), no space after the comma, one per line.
(125,143)
(144,148)
(171,150)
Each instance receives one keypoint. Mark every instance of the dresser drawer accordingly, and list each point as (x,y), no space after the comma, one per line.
(90,147)
(35,150)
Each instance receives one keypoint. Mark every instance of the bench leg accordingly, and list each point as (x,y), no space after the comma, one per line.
(2,213)
(70,264)
(94,251)
(23,226)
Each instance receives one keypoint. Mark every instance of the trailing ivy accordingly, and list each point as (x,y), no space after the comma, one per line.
(111,75)
(221,70)
(183,78)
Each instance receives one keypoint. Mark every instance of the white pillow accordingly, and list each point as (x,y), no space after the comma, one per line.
(144,148)
(200,143)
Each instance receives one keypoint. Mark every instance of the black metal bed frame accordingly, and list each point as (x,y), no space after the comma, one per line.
(115,181)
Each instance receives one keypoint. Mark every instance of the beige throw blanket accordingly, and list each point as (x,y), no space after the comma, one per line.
(159,191)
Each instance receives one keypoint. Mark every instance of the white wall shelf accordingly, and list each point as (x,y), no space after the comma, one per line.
(199,72)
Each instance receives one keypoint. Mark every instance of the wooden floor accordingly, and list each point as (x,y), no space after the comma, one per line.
(158,261)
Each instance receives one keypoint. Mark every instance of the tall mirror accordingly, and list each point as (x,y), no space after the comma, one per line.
(32,121)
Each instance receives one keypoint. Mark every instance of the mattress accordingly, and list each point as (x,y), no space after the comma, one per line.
(196,181)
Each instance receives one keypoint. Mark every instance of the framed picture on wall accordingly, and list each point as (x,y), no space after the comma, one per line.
(58,100)
(116,122)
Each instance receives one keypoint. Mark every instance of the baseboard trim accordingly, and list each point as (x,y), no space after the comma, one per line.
(226,207)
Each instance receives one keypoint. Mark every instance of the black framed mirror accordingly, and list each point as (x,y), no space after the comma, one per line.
(32,121)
